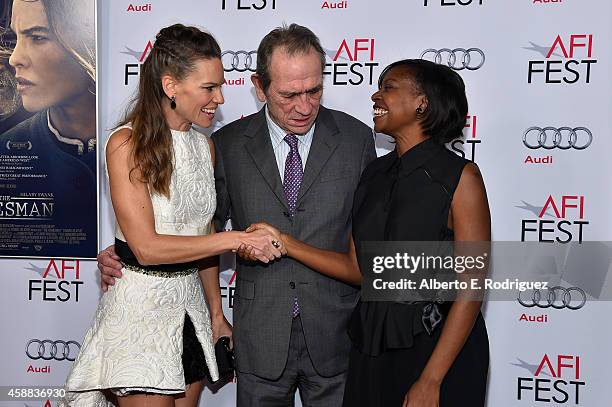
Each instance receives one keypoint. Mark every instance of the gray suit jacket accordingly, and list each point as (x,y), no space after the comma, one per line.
(249,189)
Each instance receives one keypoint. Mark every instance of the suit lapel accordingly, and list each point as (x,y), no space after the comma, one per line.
(323,145)
(260,149)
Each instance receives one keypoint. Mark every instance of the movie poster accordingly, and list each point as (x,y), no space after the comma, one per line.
(48,149)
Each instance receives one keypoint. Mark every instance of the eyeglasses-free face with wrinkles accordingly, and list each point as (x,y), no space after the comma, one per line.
(295,90)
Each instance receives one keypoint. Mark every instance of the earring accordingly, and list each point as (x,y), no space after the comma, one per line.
(419,110)
(173,102)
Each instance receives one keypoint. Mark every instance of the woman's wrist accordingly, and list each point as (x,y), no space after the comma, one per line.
(431,379)
(287,242)
(234,240)
(217,315)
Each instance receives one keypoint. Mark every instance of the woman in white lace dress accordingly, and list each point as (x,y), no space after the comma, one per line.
(151,340)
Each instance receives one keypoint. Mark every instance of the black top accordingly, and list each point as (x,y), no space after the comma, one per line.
(403,198)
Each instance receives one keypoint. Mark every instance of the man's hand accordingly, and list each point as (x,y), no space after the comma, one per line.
(109,266)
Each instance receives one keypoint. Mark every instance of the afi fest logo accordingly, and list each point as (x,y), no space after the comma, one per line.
(132,70)
(552,139)
(248,5)
(555,379)
(560,220)
(568,60)
(452,2)
(352,62)
(466,148)
(59,281)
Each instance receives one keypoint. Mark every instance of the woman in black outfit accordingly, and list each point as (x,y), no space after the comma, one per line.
(419,192)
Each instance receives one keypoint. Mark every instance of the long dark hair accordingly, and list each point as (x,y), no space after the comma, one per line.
(176,50)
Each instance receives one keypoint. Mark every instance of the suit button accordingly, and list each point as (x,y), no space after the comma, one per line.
(292,285)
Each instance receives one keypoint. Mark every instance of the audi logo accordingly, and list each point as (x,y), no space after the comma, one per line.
(457,58)
(562,138)
(47,349)
(239,61)
(556,297)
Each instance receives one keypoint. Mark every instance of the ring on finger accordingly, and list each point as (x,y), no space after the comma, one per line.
(275,243)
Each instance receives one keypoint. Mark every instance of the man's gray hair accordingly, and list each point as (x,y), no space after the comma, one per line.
(294,39)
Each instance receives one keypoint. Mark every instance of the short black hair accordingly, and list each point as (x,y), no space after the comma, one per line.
(444,118)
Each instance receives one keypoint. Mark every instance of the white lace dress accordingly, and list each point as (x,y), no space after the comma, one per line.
(135,341)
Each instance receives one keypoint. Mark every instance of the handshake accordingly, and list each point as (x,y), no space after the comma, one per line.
(261,242)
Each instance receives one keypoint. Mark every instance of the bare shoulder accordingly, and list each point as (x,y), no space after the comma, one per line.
(471,178)
(118,152)
(471,190)
(119,141)
(471,217)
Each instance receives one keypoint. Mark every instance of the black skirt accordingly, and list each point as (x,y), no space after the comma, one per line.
(384,380)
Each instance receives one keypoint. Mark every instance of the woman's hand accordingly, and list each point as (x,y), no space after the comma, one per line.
(278,236)
(249,252)
(260,244)
(263,225)
(423,393)
(221,327)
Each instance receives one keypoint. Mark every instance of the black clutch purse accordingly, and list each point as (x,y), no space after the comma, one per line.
(225,358)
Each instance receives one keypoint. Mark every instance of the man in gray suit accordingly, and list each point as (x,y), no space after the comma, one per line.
(295,165)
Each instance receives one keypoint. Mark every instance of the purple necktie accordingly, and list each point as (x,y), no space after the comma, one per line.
(291,186)
(293,173)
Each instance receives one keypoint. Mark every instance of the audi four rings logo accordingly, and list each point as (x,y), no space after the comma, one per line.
(47,349)
(457,58)
(556,297)
(239,61)
(563,138)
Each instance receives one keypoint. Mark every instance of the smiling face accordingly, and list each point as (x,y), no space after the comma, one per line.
(46,73)
(396,103)
(295,90)
(199,93)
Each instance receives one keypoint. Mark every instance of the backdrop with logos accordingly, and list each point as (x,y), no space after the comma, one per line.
(536,74)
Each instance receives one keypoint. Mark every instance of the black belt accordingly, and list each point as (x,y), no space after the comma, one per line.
(162,270)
